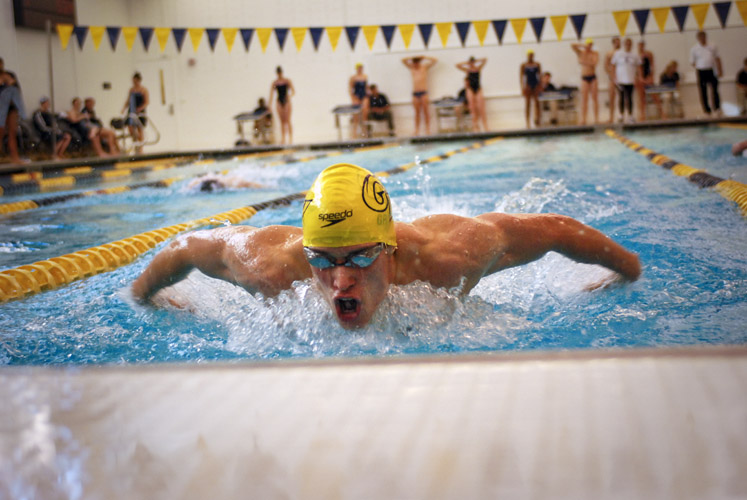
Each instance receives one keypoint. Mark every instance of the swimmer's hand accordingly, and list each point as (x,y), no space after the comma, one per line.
(612,280)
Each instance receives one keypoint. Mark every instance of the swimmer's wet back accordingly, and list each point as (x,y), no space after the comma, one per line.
(347,205)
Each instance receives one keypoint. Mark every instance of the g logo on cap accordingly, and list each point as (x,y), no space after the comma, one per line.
(374,195)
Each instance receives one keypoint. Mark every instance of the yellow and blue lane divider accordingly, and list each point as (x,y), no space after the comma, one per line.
(53,273)
(731,190)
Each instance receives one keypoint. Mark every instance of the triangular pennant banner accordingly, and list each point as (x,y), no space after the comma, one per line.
(621,19)
(113,33)
(660,16)
(406,31)
(578,21)
(722,11)
(195,35)
(246,37)
(742,8)
(538,24)
(481,30)
(146,35)
(80,34)
(500,28)
(388,32)
(97,33)
(229,35)
(281,34)
(680,13)
(444,30)
(425,33)
(699,12)
(462,30)
(352,33)
(179,36)
(264,35)
(212,34)
(641,18)
(316,36)
(558,24)
(129,33)
(518,26)
(162,35)
(370,33)
(299,35)
(334,33)
(64,31)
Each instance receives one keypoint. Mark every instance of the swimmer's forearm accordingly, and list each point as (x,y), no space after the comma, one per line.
(168,267)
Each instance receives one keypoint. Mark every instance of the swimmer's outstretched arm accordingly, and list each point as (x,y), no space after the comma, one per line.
(266,260)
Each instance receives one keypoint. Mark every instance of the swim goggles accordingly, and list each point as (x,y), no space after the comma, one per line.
(358,259)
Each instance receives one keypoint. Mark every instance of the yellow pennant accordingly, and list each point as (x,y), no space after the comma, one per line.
(229,35)
(299,34)
(97,33)
(661,14)
(406,30)
(481,29)
(370,33)
(621,18)
(195,34)
(264,37)
(129,33)
(444,30)
(162,35)
(699,12)
(742,8)
(558,22)
(64,31)
(519,25)
(333,33)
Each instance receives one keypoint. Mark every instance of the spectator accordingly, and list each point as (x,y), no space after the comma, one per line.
(285,91)
(475,95)
(419,66)
(588,60)
(136,106)
(670,78)
(357,86)
(378,108)
(84,126)
(645,79)
(610,69)
(548,86)
(529,80)
(627,69)
(706,61)
(742,89)
(46,124)
(263,124)
(106,134)
(11,105)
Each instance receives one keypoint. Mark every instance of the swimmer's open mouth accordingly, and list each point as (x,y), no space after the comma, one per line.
(347,307)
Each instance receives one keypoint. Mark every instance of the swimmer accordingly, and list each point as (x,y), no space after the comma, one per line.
(352,249)
(588,60)
(285,91)
(211,183)
(529,80)
(358,88)
(475,95)
(739,148)
(419,66)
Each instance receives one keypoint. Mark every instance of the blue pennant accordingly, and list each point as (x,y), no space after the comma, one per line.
(722,9)
(246,36)
(578,21)
(641,18)
(80,33)
(212,34)
(179,34)
(352,33)
(113,33)
(538,23)
(388,34)
(500,28)
(425,32)
(463,30)
(680,13)
(316,36)
(281,34)
(146,35)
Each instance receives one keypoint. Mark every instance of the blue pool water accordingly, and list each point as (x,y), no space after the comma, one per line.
(691,243)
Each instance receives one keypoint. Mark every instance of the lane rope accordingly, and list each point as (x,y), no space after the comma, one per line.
(53,273)
(731,190)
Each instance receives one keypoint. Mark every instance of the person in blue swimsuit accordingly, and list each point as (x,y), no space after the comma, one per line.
(358,88)
(646,79)
(285,90)
(475,96)
(529,79)
(135,106)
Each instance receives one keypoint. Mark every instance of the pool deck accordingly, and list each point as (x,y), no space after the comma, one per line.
(665,423)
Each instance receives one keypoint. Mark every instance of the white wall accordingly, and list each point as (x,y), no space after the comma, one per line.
(197,103)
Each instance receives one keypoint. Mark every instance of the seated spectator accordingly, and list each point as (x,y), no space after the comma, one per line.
(547,86)
(46,124)
(262,125)
(742,89)
(377,108)
(106,134)
(84,126)
(671,78)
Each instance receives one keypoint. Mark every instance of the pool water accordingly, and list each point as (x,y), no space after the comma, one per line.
(691,243)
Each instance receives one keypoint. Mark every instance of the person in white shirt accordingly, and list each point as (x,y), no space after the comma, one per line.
(705,60)
(627,68)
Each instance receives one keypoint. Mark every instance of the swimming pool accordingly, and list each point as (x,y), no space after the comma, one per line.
(691,243)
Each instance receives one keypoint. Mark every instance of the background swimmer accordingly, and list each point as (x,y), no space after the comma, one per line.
(217,182)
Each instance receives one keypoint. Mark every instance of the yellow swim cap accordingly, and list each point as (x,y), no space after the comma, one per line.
(589,41)
(347,205)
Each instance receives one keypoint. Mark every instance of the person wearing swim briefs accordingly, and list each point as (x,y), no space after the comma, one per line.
(475,95)
(352,249)
(610,69)
(588,58)
(419,66)
(285,90)
(529,80)
(358,89)
(136,105)
(645,79)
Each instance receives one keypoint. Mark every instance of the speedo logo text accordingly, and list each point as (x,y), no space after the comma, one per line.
(335,217)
